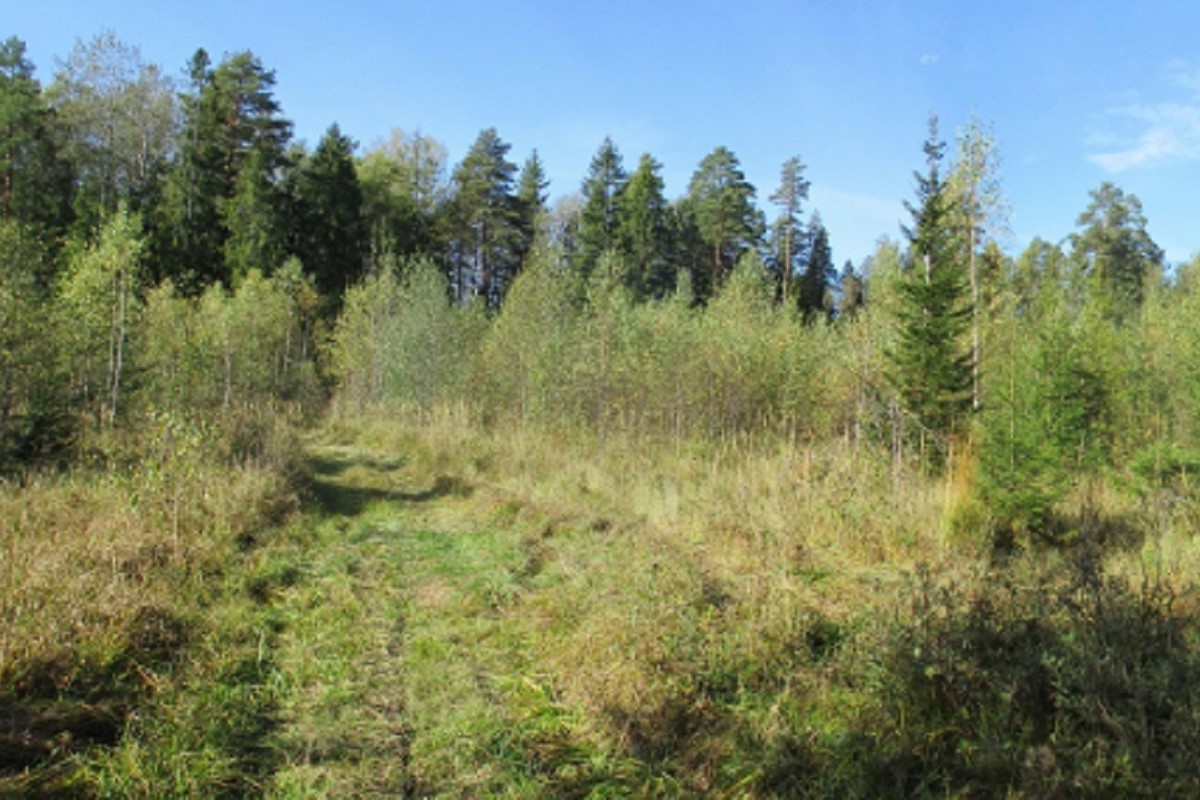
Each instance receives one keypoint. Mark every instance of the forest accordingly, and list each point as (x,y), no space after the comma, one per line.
(353,471)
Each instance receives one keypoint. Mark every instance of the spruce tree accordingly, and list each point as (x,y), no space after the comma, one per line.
(930,362)
(813,298)
(598,218)
(643,232)
(332,239)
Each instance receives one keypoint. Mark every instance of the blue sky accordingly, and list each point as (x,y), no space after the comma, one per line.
(1075,92)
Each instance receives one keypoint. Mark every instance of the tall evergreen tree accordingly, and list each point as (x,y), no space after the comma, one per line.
(1114,251)
(252,219)
(230,114)
(531,203)
(643,231)
(788,230)
(485,221)
(598,218)
(816,282)
(35,181)
(722,202)
(332,236)
(930,366)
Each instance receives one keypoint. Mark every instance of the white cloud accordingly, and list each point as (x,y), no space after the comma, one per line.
(1167,132)
(928,59)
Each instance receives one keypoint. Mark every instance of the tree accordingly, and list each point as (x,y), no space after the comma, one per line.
(35,417)
(531,203)
(978,210)
(722,202)
(230,116)
(332,236)
(643,231)
(119,114)
(100,296)
(930,368)
(851,291)
(819,274)
(35,183)
(484,219)
(598,218)
(1114,251)
(788,230)
(253,221)
(405,190)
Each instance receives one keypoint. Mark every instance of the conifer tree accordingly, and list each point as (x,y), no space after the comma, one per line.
(332,240)
(598,218)
(1114,251)
(643,231)
(813,299)
(788,229)
(722,202)
(35,181)
(230,116)
(485,221)
(930,364)
(531,203)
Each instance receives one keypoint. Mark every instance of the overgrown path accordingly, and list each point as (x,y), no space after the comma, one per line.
(398,676)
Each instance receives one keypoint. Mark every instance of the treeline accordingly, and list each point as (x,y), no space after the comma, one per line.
(179,249)
(219,187)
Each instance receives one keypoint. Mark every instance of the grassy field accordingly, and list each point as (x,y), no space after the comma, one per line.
(454,613)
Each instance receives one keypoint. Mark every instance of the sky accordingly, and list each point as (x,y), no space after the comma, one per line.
(1075,92)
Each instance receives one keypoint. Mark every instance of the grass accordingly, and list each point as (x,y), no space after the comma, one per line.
(459,613)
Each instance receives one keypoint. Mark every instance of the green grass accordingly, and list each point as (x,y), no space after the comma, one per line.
(455,613)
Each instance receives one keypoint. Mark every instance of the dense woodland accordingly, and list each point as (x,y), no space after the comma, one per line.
(178,275)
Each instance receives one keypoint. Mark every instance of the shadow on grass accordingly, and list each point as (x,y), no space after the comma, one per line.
(345,485)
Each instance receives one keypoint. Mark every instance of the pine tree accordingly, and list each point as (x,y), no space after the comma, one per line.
(230,114)
(722,202)
(788,230)
(1114,251)
(485,221)
(35,181)
(930,366)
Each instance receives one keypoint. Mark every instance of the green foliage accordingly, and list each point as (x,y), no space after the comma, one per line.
(99,295)
(644,233)
(118,114)
(814,297)
(485,222)
(34,179)
(931,367)
(223,351)
(232,124)
(404,191)
(787,232)
(36,419)
(599,217)
(1114,251)
(1080,688)
(722,202)
(331,236)
(400,342)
